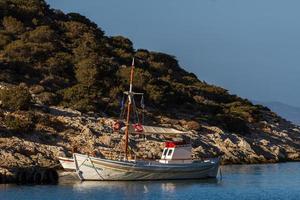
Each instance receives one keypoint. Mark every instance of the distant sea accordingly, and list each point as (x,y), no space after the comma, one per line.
(239,182)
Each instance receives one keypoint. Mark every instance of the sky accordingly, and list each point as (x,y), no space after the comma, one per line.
(250,47)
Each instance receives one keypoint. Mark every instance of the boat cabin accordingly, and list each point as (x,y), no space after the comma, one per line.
(176,152)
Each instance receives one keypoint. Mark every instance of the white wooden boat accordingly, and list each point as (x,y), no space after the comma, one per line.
(175,163)
(67,163)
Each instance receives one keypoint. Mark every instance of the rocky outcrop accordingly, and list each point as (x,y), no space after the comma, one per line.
(70,131)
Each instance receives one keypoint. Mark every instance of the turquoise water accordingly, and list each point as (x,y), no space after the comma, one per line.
(273,181)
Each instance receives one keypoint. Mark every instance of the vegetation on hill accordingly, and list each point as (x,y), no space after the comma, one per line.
(65,59)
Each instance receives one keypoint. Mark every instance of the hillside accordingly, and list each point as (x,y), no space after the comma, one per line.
(291,113)
(67,60)
(51,62)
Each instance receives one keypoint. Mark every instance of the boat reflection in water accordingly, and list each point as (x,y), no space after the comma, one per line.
(133,189)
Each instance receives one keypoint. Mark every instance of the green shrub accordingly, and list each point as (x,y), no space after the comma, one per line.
(15,98)
(87,72)
(142,54)
(81,98)
(122,43)
(40,34)
(21,51)
(48,98)
(234,124)
(13,25)
(75,29)
(141,77)
(4,39)
(28,8)
(23,122)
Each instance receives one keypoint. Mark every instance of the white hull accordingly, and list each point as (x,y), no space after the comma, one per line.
(91,168)
(67,163)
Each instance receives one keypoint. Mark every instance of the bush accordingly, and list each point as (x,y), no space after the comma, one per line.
(81,98)
(15,98)
(87,73)
(12,25)
(4,39)
(21,51)
(28,8)
(48,98)
(122,43)
(60,64)
(40,35)
(234,124)
(75,29)
(16,122)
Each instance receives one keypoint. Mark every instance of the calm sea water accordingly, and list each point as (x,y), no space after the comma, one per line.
(273,181)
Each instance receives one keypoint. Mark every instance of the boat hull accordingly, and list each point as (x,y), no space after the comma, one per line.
(91,168)
(67,163)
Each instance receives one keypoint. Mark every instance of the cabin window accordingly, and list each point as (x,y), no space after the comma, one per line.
(165,152)
(170,152)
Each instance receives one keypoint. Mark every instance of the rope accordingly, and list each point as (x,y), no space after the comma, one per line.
(143,109)
(220,172)
(135,113)
(122,106)
(95,168)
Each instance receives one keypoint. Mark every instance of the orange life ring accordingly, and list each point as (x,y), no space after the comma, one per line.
(116,126)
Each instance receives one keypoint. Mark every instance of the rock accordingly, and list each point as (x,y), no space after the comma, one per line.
(264,142)
(192,125)
(36,89)
(47,98)
(149,155)
(106,140)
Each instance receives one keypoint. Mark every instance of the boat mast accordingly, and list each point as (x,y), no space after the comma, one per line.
(130,94)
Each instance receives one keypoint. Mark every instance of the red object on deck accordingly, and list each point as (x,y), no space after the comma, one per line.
(174,144)
(138,127)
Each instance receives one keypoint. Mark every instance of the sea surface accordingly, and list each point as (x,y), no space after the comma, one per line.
(239,182)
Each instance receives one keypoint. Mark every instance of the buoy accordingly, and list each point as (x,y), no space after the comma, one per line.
(116,126)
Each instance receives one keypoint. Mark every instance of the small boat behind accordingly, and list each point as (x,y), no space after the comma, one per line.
(67,163)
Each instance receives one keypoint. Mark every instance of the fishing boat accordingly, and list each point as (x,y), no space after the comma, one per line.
(175,163)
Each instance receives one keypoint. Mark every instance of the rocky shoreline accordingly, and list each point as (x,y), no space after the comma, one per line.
(33,157)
